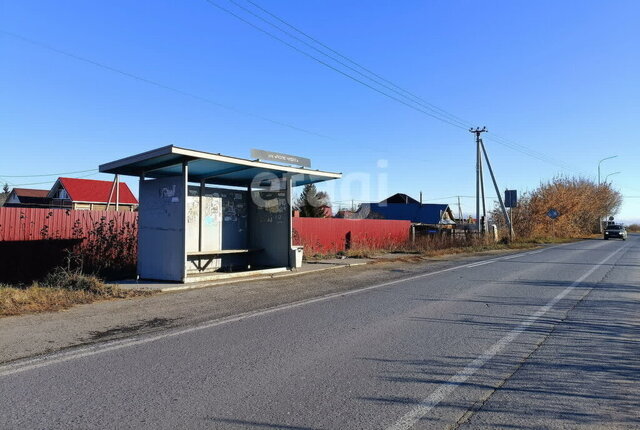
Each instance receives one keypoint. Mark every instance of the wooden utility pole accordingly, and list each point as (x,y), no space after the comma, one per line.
(117,191)
(479,182)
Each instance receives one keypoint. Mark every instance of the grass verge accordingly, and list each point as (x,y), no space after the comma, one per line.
(438,246)
(60,290)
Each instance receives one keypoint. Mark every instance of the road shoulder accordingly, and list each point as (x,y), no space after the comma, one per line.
(36,334)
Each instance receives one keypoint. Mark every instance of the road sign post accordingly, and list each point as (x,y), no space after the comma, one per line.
(511,201)
(553,214)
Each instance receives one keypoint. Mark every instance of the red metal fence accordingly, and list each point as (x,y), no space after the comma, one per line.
(330,235)
(33,241)
(25,224)
(318,235)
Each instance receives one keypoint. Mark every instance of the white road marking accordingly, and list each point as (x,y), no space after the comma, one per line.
(482,263)
(76,353)
(412,417)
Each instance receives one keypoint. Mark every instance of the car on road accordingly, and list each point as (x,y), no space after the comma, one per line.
(615,231)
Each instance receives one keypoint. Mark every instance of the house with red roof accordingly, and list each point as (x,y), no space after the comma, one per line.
(91,194)
(78,194)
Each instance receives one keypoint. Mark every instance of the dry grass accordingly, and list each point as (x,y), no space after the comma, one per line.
(461,244)
(436,246)
(60,290)
(420,252)
(363,252)
(440,246)
(477,248)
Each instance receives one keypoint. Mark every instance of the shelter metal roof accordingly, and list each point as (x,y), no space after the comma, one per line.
(209,167)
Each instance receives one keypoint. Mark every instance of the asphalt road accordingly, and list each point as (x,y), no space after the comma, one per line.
(542,339)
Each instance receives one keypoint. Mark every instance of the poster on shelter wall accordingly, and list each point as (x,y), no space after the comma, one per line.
(272,206)
(204,234)
(211,223)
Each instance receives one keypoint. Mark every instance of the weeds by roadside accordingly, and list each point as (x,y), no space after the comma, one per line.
(436,246)
(59,290)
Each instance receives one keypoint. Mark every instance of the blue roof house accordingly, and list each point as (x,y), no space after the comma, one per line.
(402,207)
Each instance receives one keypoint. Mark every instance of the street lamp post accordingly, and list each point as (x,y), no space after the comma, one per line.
(605,181)
(600,162)
(610,174)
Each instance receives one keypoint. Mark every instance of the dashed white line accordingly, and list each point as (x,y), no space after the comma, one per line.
(412,417)
(482,263)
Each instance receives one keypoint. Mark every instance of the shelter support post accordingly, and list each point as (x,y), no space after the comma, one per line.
(289,190)
(200,205)
(184,182)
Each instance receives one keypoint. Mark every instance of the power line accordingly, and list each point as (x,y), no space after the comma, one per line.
(161,85)
(324,63)
(368,73)
(48,182)
(528,151)
(49,174)
(421,101)
(440,114)
(462,121)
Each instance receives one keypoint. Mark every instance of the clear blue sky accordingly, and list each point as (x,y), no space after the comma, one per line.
(557,77)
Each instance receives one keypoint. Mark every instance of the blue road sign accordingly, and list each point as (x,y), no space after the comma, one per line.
(510,198)
(553,214)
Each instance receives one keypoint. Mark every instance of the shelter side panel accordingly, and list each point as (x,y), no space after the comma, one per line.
(161,238)
(269,214)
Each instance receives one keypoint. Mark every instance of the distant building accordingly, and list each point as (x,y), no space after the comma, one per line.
(399,198)
(28,198)
(403,207)
(78,194)
(327,210)
(90,194)
(345,214)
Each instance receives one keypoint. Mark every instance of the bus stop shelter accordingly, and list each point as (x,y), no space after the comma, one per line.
(202,213)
